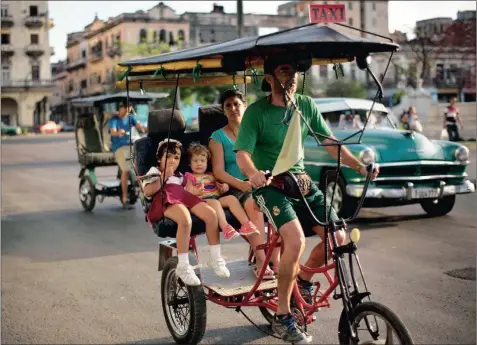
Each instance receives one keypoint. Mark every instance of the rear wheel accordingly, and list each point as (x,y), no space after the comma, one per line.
(373,323)
(439,207)
(183,306)
(87,193)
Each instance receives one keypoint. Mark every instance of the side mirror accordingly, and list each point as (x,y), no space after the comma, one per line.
(363,62)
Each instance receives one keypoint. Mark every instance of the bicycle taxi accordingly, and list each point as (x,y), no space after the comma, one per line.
(232,63)
(93,143)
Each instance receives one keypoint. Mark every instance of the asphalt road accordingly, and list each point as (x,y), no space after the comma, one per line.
(73,277)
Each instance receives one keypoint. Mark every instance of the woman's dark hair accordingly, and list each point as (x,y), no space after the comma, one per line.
(172,146)
(231,93)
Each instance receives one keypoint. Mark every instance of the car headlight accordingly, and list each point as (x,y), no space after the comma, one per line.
(367,156)
(462,154)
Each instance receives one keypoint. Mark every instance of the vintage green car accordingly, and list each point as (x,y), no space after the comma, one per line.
(413,169)
(10,130)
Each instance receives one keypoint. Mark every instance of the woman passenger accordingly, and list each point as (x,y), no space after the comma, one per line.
(226,170)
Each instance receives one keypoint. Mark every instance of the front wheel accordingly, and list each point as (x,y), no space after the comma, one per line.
(183,306)
(368,329)
(439,207)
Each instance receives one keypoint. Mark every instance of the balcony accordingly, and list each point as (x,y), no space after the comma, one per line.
(7,21)
(113,51)
(80,63)
(96,58)
(95,89)
(34,21)
(27,84)
(34,50)
(7,49)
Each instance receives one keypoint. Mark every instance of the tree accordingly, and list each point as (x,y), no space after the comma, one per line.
(345,88)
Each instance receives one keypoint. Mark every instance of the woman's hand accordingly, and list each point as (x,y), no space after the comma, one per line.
(222,187)
(245,186)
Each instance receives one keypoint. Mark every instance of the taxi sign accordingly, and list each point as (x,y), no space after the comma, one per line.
(327,13)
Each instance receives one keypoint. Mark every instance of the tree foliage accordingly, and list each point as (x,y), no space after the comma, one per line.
(345,88)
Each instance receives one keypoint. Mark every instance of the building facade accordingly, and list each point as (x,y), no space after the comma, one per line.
(370,16)
(218,26)
(26,75)
(93,53)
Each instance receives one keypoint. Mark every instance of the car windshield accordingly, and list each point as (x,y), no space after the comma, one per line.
(356,118)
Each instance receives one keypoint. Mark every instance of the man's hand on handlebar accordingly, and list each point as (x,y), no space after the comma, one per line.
(259,179)
(372,168)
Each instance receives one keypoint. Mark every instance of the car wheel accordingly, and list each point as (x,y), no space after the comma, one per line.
(439,207)
(343,204)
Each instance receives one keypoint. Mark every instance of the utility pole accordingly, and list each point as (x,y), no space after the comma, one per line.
(239,18)
(240,32)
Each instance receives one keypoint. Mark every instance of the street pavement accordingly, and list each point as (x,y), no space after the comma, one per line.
(75,277)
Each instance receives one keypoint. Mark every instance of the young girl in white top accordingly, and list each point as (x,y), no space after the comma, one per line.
(176,203)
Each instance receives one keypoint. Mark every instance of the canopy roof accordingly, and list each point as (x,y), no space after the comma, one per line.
(310,41)
(134,96)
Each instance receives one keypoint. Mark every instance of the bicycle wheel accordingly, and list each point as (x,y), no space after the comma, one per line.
(183,306)
(369,330)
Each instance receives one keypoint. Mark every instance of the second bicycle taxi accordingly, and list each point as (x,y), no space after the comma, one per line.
(238,62)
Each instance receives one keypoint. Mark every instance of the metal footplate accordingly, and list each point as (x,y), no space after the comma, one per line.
(241,279)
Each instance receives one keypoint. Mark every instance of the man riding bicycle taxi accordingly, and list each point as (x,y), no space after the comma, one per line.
(271,137)
(119,128)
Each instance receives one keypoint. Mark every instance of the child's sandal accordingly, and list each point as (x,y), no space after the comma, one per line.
(267,275)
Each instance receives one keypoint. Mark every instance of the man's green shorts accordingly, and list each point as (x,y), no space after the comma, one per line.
(280,209)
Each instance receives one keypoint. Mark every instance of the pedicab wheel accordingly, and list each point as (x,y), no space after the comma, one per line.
(87,193)
(369,330)
(133,196)
(183,306)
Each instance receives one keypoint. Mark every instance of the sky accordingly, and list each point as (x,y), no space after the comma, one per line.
(71,16)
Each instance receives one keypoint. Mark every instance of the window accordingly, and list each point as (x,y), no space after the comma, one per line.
(84,84)
(181,35)
(34,38)
(171,39)
(162,36)
(142,36)
(353,73)
(33,11)
(350,21)
(4,10)
(5,72)
(83,54)
(374,22)
(35,72)
(5,38)
(323,71)
(350,5)
(374,5)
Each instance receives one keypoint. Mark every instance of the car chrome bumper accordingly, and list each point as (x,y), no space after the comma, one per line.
(410,192)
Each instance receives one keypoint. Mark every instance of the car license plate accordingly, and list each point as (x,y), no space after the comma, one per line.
(430,193)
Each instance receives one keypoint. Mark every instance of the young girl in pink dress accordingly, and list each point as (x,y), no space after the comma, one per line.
(176,203)
(205,186)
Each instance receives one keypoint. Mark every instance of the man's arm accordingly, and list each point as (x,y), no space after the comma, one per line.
(113,124)
(246,165)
